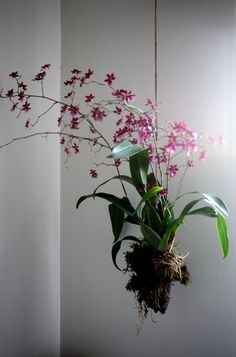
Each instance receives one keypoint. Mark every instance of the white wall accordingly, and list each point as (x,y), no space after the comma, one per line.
(196,83)
(29,190)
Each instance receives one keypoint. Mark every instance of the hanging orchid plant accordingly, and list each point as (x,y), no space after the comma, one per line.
(156,156)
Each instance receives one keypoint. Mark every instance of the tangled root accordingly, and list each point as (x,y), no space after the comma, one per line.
(151,275)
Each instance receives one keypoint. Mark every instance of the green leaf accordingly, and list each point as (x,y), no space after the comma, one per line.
(138,164)
(168,216)
(147,196)
(152,218)
(121,177)
(170,233)
(124,149)
(150,236)
(124,205)
(204,211)
(117,220)
(189,206)
(216,203)
(117,245)
(132,220)
(223,235)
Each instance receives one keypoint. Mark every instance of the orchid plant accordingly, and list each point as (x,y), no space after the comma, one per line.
(156,155)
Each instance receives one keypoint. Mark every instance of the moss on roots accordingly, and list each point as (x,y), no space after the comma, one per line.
(151,275)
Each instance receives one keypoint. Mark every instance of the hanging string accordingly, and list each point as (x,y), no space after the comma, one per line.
(155,78)
(155,49)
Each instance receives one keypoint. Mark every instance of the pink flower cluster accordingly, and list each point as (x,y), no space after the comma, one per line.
(131,123)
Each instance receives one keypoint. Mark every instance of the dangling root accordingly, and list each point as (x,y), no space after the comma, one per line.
(151,275)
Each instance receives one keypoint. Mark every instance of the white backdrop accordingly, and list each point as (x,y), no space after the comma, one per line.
(196,81)
(29,190)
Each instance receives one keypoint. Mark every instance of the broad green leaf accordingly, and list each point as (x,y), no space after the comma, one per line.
(152,218)
(168,215)
(216,203)
(147,196)
(117,220)
(138,164)
(117,245)
(204,211)
(189,206)
(124,149)
(223,235)
(167,219)
(170,233)
(124,205)
(121,177)
(132,220)
(151,237)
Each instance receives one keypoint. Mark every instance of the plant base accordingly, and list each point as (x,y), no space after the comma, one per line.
(151,275)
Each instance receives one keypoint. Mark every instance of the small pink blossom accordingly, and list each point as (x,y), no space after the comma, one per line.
(14,75)
(92,129)
(212,140)
(123,133)
(82,81)
(69,82)
(118,110)
(117,162)
(150,149)
(124,95)
(93,173)
(10,93)
(46,66)
(76,71)
(190,163)
(95,141)
(69,94)
(193,135)
(172,171)
(14,106)
(203,155)
(170,148)
(110,78)
(148,102)
(63,140)
(76,148)
(27,124)
(89,98)
(26,107)
(74,123)
(66,150)
(164,192)
(22,86)
(98,114)
(163,157)
(179,127)
(189,146)
(21,96)
(154,159)
(119,121)
(59,120)
(64,108)
(88,74)
(39,76)
(73,109)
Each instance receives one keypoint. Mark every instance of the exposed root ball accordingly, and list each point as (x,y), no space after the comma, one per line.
(151,276)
